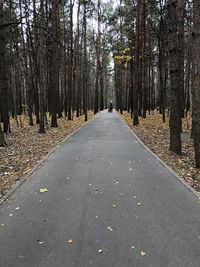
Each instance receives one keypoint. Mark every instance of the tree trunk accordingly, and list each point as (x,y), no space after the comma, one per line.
(54,71)
(41,67)
(3,75)
(137,65)
(2,138)
(175,116)
(85,84)
(196,81)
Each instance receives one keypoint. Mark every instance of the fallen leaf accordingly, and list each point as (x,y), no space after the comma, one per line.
(142,253)
(110,228)
(43,190)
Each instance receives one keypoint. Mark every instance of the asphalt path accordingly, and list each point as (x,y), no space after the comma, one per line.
(110,203)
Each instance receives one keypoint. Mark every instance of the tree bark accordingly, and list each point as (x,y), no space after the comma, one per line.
(196,81)
(175,115)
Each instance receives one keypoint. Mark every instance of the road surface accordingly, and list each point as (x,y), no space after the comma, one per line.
(110,203)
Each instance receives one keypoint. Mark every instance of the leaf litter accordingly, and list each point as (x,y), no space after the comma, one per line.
(155,135)
(17,160)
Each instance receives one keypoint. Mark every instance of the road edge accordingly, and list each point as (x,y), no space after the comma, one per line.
(196,193)
(25,177)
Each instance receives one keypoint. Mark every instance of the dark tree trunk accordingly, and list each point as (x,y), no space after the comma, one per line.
(3,75)
(85,83)
(54,70)
(196,82)
(175,114)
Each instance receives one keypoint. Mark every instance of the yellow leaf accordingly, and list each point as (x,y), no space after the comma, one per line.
(143,253)
(43,190)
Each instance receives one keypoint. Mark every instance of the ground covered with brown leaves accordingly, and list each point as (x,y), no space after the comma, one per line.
(155,135)
(26,147)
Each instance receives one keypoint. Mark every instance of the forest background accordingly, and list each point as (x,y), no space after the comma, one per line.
(63,60)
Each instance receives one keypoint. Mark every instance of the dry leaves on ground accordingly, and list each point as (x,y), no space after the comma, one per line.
(26,147)
(155,134)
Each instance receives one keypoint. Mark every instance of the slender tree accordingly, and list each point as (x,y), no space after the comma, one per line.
(196,81)
(175,114)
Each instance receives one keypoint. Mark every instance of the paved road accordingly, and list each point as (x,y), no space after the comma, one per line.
(109,202)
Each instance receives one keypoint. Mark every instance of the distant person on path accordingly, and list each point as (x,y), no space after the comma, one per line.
(110,106)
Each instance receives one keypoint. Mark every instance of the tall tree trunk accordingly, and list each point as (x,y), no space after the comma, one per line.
(70,75)
(54,71)
(85,83)
(181,16)
(137,65)
(196,81)
(41,67)
(175,116)
(98,63)
(3,75)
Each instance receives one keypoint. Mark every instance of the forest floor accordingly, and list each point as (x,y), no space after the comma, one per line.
(26,147)
(155,135)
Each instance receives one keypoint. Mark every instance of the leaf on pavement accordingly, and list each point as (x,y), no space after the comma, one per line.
(110,228)
(142,253)
(43,190)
